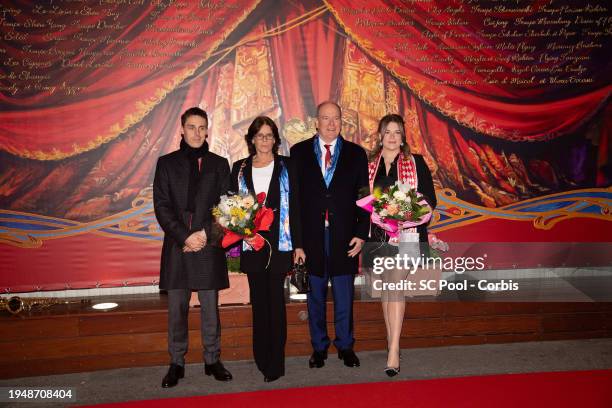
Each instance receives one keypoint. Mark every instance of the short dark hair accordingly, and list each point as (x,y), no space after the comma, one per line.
(319,106)
(255,126)
(195,111)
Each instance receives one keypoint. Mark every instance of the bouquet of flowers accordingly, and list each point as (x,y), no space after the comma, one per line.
(396,208)
(242,216)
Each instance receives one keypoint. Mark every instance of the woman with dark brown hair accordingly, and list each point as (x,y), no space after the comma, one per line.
(389,162)
(266,171)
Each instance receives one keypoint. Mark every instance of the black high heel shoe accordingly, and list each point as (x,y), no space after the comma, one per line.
(392,371)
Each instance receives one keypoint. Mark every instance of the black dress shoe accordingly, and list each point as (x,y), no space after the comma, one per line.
(218,371)
(317,359)
(349,357)
(270,378)
(175,372)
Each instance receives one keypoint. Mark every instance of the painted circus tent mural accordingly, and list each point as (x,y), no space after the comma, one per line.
(507,101)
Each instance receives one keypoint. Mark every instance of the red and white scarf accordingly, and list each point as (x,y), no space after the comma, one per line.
(406,171)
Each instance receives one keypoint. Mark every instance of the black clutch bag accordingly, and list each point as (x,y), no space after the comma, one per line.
(299,277)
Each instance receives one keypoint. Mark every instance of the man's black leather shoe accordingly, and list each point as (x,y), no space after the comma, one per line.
(218,371)
(175,372)
(317,359)
(349,357)
(271,378)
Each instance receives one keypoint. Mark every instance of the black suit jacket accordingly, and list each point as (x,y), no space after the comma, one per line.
(205,269)
(349,183)
(425,187)
(281,260)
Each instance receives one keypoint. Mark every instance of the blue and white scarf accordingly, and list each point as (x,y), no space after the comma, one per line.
(329,173)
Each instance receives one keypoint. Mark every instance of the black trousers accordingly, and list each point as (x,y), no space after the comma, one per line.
(269,314)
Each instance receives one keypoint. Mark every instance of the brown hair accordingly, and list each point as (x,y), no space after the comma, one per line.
(255,126)
(195,111)
(382,126)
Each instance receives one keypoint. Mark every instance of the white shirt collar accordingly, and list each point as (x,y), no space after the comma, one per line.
(323,151)
(322,144)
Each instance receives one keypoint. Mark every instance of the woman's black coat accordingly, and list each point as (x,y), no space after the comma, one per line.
(250,260)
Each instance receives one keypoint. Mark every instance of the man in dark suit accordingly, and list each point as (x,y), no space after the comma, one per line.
(188,184)
(332,174)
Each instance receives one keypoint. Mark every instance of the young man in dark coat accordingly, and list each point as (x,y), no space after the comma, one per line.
(188,184)
(332,174)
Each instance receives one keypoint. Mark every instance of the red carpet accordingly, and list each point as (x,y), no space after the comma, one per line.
(583,389)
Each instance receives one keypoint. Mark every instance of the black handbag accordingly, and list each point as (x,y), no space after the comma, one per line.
(299,277)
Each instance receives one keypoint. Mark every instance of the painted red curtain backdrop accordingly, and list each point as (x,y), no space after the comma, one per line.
(92,177)
(530,111)
(307,60)
(105,180)
(107,80)
(604,155)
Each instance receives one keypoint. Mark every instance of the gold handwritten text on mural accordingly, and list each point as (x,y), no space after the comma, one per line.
(53,39)
(519,44)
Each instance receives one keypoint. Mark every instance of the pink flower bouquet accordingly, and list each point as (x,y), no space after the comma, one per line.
(396,208)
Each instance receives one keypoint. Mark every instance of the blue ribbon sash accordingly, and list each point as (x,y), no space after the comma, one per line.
(284,230)
(243,189)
